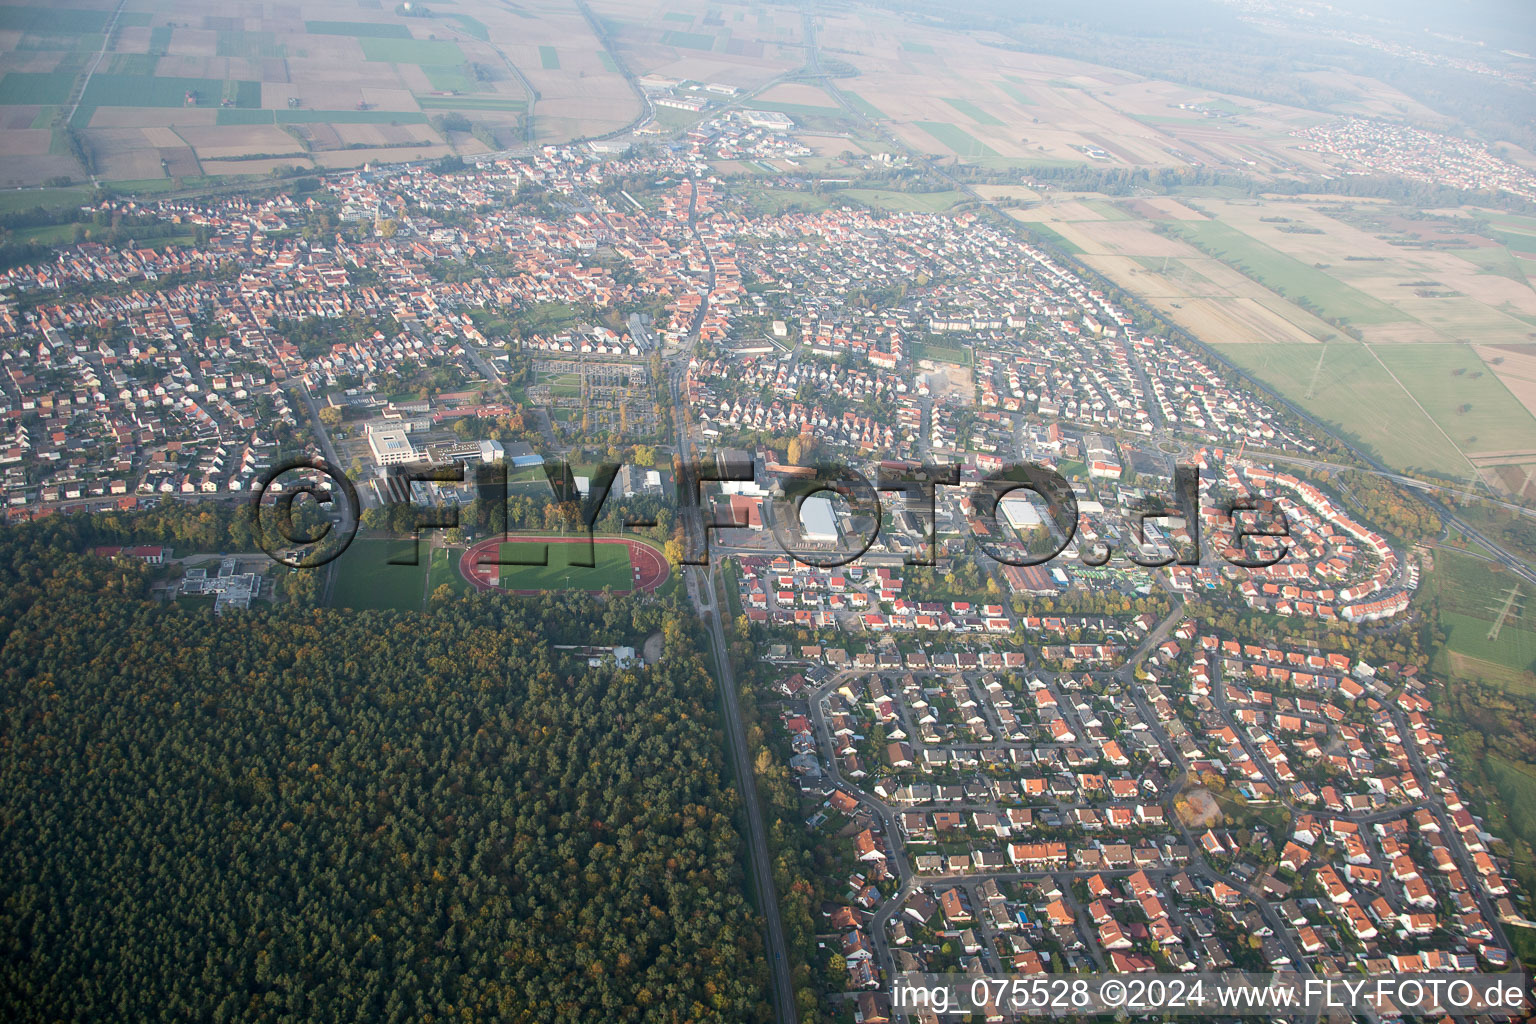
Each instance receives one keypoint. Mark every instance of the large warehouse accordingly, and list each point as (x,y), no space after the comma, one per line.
(818,523)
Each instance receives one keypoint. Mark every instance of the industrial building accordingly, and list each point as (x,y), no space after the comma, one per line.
(818,522)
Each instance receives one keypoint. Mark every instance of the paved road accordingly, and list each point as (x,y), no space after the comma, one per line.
(320,431)
(760,865)
(700,583)
(897,861)
(105,43)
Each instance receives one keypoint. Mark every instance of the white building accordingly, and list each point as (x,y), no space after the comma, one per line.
(769,120)
(818,523)
(492,451)
(390,446)
(1020,512)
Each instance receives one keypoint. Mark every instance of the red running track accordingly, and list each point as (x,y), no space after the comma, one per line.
(478,564)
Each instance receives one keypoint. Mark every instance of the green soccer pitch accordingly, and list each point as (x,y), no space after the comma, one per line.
(612,569)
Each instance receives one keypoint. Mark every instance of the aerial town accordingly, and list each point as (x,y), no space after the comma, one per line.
(1107,760)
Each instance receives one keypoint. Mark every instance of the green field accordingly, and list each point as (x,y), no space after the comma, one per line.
(1286,275)
(1356,392)
(1017,94)
(916,47)
(360,29)
(412,51)
(365,579)
(470,103)
(26,87)
(133,64)
(451,79)
(688,40)
(109,90)
(1462,395)
(549,58)
(249,44)
(958,139)
(14,200)
(230,116)
(940,353)
(612,568)
(671,117)
(608,61)
(798,109)
(52,19)
(1495,259)
(1356,396)
(905,202)
(972,111)
(861,104)
(773,201)
(57,42)
(1516,785)
(1470,593)
(1050,236)
(445,570)
(471,26)
(349,117)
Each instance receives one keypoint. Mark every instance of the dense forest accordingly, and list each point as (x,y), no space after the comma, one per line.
(298,814)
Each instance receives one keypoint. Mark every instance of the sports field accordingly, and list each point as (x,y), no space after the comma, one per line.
(444,570)
(554,563)
(365,579)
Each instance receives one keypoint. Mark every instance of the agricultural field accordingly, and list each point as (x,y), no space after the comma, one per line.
(802,102)
(690,39)
(1471,594)
(1418,335)
(960,141)
(170,71)
(905,202)
(1285,275)
(1357,397)
(960,94)
(1396,275)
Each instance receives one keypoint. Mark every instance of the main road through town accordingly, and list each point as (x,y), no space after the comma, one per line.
(700,582)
